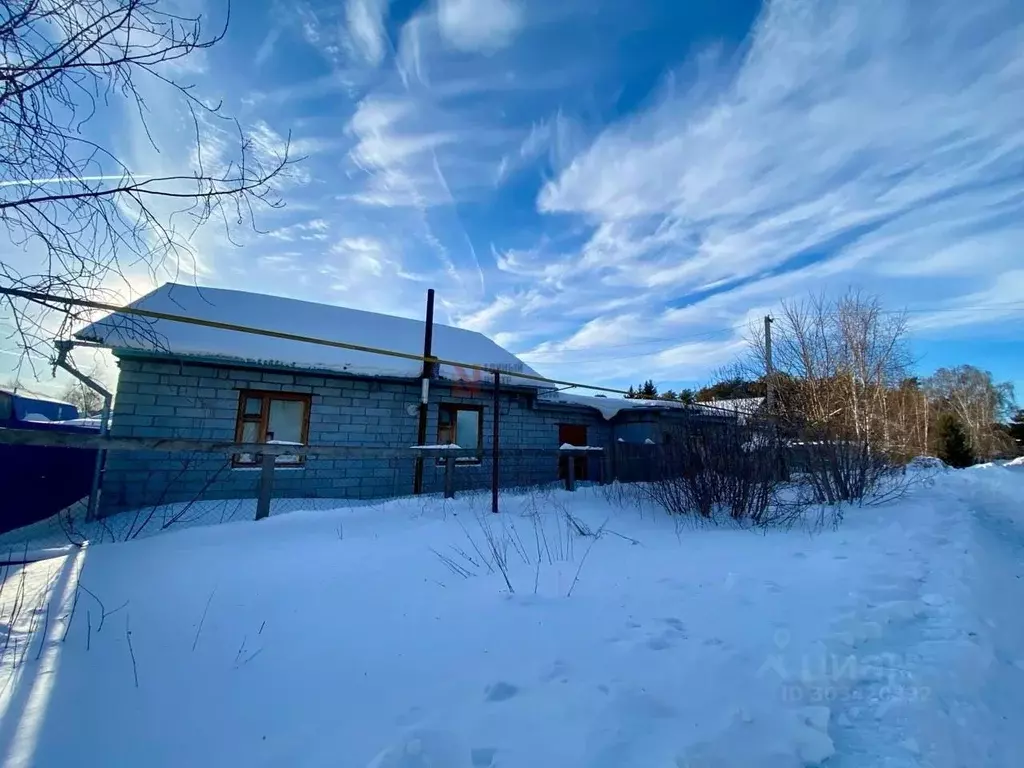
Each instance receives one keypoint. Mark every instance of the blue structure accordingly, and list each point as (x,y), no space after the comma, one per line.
(39,481)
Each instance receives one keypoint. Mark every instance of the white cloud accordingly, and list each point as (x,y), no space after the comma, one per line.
(1000,300)
(837,118)
(398,160)
(484,318)
(368,273)
(479,25)
(365,19)
(316,229)
(859,142)
(557,139)
(266,49)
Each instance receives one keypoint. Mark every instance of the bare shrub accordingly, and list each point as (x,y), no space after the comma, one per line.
(840,468)
(711,469)
(490,542)
(626,495)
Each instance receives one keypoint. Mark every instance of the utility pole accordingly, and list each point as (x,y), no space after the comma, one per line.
(769,367)
(427,374)
(495,421)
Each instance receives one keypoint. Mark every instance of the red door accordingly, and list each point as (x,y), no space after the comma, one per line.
(574,434)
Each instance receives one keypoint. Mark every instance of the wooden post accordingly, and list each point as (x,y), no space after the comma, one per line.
(266,486)
(570,476)
(494,435)
(449,476)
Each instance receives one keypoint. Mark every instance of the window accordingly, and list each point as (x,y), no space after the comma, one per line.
(271,416)
(6,407)
(462,425)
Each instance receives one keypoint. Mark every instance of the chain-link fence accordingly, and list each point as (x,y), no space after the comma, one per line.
(152,485)
(180,485)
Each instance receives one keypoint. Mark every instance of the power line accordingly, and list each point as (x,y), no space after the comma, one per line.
(677,340)
(1014,306)
(49,299)
(1007,307)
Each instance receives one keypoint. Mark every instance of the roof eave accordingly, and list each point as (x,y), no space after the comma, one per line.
(307,370)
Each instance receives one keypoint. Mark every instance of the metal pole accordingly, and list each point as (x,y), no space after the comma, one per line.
(101,461)
(63,348)
(428,371)
(769,367)
(494,436)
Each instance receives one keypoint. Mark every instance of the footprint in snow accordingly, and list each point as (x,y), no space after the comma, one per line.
(659,643)
(482,757)
(665,639)
(421,748)
(558,670)
(500,691)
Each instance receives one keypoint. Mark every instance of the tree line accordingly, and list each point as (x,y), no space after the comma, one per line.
(729,388)
(842,367)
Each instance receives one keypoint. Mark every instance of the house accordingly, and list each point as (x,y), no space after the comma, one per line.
(182,380)
(742,408)
(15,407)
(38,481)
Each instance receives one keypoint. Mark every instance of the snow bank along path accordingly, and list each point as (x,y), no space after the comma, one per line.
(387,636)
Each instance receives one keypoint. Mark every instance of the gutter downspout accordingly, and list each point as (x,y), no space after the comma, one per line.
(63,348)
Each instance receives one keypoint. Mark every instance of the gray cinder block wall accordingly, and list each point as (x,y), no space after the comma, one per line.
(160,399)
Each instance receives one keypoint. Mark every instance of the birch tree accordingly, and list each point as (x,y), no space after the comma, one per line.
(977,401)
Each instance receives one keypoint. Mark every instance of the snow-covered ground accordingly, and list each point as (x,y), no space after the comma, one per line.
(388,636)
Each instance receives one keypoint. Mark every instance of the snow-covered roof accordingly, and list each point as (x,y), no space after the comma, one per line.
(609,407)
(743,408)
(746,406)
(124,332)
(26,395)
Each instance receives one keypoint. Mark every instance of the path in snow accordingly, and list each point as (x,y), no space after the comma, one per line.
(995,577)
(930,665)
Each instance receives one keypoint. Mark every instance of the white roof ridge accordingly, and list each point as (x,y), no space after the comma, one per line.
(239,291)
(296,317)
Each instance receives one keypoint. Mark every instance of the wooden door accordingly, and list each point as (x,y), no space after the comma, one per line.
(574,434)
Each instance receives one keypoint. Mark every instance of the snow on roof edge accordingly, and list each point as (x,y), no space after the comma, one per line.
(362,328)
(609,407)
(508,379)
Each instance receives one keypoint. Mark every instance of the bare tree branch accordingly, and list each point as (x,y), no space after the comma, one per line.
(77,204)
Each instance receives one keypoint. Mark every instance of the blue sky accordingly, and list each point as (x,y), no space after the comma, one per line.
(613,189)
